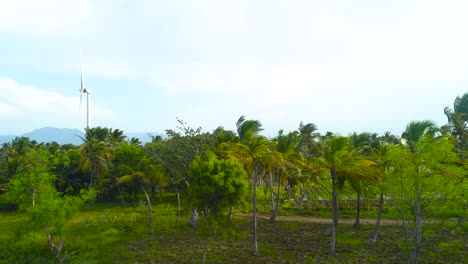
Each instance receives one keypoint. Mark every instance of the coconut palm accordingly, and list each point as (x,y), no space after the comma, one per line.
(339,161)
(145,174)
(254,151)
(382,157)
(458,123)
(364,143)
(94,159)
(415,131)
(287,164)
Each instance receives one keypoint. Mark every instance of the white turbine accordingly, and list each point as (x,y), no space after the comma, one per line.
(86,91)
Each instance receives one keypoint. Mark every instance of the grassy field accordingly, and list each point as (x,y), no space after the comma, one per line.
(113,233)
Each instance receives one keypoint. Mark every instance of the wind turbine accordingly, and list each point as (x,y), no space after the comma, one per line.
(86,91)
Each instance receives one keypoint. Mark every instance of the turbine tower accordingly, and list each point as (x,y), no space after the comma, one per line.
(86,91)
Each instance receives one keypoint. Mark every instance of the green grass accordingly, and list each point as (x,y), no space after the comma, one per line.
(115,233)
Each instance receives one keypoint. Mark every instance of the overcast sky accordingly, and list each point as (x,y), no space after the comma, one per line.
(362,65)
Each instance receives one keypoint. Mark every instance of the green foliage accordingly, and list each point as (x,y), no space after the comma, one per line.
(217,183)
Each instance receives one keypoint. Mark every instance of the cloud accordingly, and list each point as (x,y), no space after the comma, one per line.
(31,105)
(45,18)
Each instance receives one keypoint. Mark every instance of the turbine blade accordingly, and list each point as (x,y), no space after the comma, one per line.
(82,79)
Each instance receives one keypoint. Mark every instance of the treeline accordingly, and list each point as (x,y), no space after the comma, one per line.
(422,172)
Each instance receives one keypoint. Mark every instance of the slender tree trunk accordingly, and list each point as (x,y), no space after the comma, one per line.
(461,218)
(373,238)
(178,204)
(34,197)
(254,206)
(120,193)
(272,193)
(193,220)
(418,233)
(54,249)
(331,250)
(150,213)
(278,197)
(231,212)
(153,193)
(357,223)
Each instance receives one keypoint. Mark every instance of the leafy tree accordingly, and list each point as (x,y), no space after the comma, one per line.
(32,189)
(458,127)
(217,184)
(427,166)
(176,153)
(32,180)
(384,163)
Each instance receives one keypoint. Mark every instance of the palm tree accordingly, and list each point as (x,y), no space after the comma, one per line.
(458,126)
(286,164)
(94,159)
(254,151)
(381,155)
(145,174)
(339,161)
(116,137)
(364,143)
(415,131)
(306,144)
(247,128)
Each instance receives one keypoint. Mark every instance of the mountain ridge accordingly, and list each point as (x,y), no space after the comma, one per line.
(67,136)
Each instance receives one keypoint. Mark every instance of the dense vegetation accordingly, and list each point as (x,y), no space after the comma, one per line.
(196,196)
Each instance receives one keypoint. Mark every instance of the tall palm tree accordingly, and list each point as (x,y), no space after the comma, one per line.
(306,144)
(364,143)
(286,165)
(145,174)
(339,161)
(415,131)
(247,128)
(381,155)
(254,151)
(94,159)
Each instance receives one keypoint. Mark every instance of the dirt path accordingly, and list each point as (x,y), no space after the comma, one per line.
(320,220)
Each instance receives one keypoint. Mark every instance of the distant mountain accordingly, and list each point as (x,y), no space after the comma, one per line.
(66,136)
(7,138)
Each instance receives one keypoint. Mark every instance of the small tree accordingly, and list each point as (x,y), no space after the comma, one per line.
(217,184)
(426,187)
(32,188)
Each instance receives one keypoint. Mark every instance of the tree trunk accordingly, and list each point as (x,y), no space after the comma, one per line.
(193,220)
(331,251)
(178,204)
(373,238)
(34,197)
(414,255)
(150,213)
(231,212)
(120,193)
(254,207)
(358,211)
(278,197)
(153,193)
(55,249)
(272,193)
